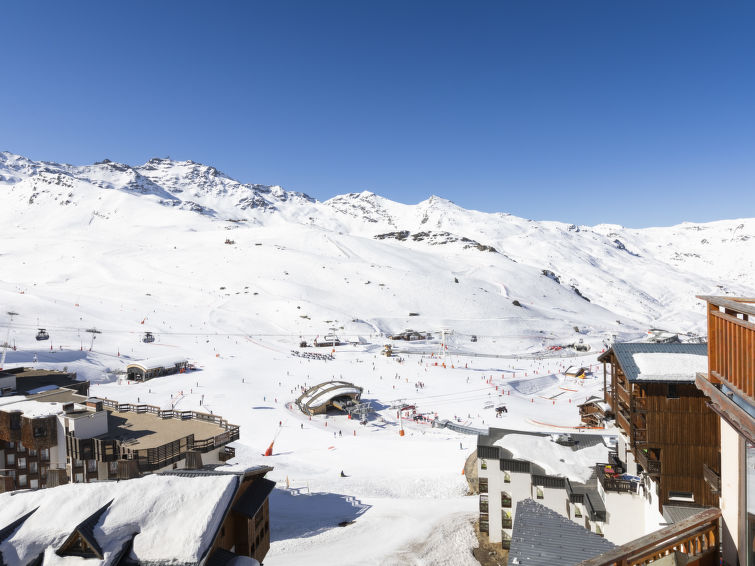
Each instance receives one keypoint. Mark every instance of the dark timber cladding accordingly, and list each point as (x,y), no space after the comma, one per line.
(671,430)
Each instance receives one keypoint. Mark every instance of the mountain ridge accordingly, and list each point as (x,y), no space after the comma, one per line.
(602,274)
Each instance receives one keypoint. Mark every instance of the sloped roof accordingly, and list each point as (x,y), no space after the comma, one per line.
(625,354)
(676,513)
(253,498)
(141,512)
(8,530)
(163,362)
(86,530)
(542,537)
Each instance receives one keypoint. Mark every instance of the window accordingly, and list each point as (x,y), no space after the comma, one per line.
(21,447)
(91,465)
(79,478)
(506,477)
(505,500)
(43,472)
(483,503)
(539,492)
(78,463)
(44,454)
(681,495)
(11,458)
(32,452)
(483,464)
(15,421)
(113,467)
(505,540)
(506,520)
(22,480)
(577,512)
(483,485)
(21,463)
(671,393)
(484,524)
(33,467)
(40,431)
(598,530)
(34,484)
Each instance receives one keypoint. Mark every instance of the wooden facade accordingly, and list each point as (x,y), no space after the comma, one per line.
(671,432)
(246,525)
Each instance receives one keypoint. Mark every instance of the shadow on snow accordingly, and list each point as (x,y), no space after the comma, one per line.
(294,514)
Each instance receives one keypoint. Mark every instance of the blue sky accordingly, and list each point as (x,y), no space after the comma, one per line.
(638,113)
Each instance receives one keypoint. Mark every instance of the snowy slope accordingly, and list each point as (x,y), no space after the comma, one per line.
(344,257)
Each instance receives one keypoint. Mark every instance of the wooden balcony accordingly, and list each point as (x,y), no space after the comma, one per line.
(712,478)
(227,453)
(651,465)
(731,344)
(693,540)
(613,481)
(622,419)
(641,404)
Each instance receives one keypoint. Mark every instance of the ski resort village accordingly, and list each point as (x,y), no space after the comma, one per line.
(199,371)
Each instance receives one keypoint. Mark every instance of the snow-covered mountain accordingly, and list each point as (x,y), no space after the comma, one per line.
(156,233)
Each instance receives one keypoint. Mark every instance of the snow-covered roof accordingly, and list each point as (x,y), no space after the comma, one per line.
(556,459)
(30,409)
(669,367)
(322,393)
(642,361)
(161,362)
(171,518)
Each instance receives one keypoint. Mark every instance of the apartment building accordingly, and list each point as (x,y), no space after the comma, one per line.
(59,436)
(504,481)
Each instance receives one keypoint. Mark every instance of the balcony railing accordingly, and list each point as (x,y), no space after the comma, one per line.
(651,465)
(731,343)
(712,478)
(227,453)
(692,539)
(641,404)
(614,481)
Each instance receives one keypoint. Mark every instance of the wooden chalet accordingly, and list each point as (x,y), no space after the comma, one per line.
(184,517)
(595,411)
(668,430)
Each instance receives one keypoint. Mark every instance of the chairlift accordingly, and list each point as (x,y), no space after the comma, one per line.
(148,337)
(42,334)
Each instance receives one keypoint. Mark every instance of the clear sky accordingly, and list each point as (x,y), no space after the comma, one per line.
(632,112)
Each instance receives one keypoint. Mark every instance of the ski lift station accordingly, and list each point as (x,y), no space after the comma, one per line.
(340,395)
(155,367)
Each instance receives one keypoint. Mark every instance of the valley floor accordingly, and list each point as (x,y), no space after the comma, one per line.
(404,498)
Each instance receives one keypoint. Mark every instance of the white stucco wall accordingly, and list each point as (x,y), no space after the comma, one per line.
(624,516)
(93,424)
(731,499)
